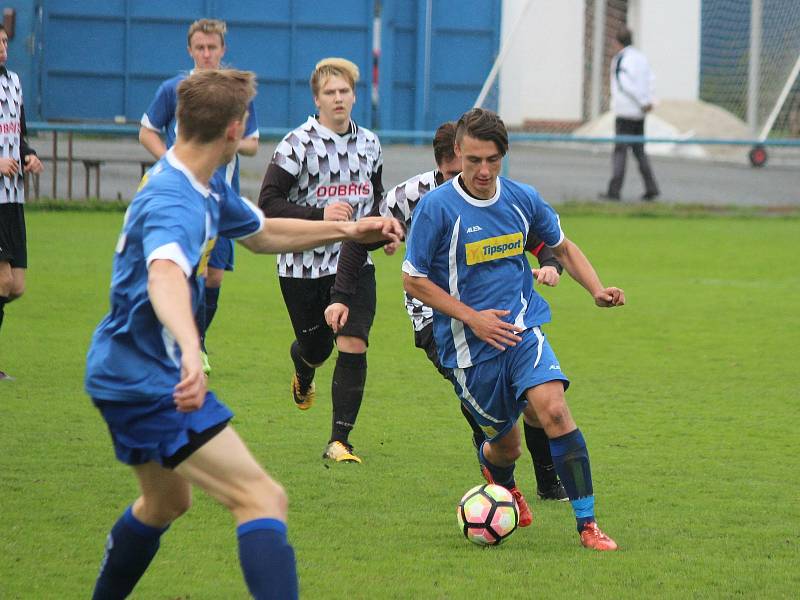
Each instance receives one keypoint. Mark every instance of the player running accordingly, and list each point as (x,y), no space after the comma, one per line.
(465,259)
(206,45)
(144,370)
(328,168)
(400,202)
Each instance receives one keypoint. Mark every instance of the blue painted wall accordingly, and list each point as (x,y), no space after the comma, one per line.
(435,57)
(101,59)
(105,58)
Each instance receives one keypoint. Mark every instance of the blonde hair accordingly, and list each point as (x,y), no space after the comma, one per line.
(207,26)
(210,99)
(333,67)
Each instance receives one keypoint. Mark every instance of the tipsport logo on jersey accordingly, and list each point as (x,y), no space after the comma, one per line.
(352,192)
(493,248)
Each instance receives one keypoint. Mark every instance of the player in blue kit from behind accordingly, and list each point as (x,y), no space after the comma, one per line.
(465,258)
(206,45)
(144,370)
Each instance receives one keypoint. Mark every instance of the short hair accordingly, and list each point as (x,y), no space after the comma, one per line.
(210,99)
(624,36)
(333,67)
(443,141)
(207,26)
(483,124)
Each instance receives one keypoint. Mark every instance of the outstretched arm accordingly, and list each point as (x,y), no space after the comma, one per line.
(295,235)
(171,300)
(582,271)
(485,324)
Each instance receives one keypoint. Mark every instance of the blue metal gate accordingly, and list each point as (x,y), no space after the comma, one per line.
(104,59)
(435,57)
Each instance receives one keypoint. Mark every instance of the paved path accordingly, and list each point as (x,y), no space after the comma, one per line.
(560,173)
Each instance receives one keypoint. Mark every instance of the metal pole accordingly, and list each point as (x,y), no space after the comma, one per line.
(754,67)
(69,166)
(55,162)
(598,56)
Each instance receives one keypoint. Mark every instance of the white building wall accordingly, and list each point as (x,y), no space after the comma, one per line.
(542,74)
(669,35)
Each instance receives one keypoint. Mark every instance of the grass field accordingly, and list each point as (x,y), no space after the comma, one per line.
(688,398)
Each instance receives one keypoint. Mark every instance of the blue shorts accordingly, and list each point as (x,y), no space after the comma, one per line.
(222,255)
(155,430)
(494,390)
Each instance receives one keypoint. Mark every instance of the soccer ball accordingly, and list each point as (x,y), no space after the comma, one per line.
(487,514)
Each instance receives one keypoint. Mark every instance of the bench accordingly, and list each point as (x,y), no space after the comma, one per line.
(90,165)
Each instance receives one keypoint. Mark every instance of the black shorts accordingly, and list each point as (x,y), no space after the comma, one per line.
(13,241)
(307,299)
(424,339)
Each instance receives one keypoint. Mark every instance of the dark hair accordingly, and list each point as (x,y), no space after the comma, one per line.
(444,141)
(624,36)
(484,125)
(210,99)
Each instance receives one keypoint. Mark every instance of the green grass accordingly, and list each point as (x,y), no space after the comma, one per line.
(688,398)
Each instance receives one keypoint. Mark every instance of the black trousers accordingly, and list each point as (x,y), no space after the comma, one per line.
(630,127)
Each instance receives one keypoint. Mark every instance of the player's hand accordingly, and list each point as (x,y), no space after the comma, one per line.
(547,276)
(608,297)
(376,229)
(33,164)
(190,393)
(336,316)
(9,167)
(390,248)
(490,328)
(338,211)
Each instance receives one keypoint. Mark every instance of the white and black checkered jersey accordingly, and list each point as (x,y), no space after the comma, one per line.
(322,167)
(11,134)
(400,202)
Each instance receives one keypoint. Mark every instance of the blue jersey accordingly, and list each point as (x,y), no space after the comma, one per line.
(161,117)
(475,250)
(133,357)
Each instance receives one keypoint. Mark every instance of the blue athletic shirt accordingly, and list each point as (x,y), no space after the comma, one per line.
(475,250)
(161,117)
(132,356)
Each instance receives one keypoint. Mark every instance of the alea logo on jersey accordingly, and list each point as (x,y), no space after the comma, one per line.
(343,190)
(474,229)
(493,248)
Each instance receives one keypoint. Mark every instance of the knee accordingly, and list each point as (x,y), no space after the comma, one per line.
(555,416)
(264,497)
(351,345)
(214,277)
(6,284)
(165,511)
(17,290)
(314,354)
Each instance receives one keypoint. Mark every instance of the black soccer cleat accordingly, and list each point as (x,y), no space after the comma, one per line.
(555,492)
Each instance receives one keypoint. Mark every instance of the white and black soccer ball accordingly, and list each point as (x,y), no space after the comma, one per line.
(487,514)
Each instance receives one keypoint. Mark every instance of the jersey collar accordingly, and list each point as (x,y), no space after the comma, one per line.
(177,164)
(472,199)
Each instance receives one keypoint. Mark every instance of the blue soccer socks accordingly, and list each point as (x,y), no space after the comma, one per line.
(130,547)
(267,560)
(500,475)
(571,459)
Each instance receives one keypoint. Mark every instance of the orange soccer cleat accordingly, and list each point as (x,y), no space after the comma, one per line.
(303,399)
(592,537)
(525,514)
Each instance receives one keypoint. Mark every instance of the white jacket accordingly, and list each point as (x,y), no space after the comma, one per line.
(632,83)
